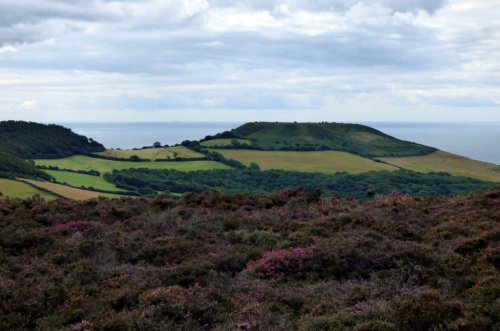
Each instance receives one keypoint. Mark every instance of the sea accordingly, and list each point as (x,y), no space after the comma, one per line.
(476,140)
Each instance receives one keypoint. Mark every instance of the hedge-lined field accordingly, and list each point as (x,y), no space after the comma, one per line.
(16,189)
(446,162)
(327,162)
(69,192)
(153,153)
(82,180)
(81,162)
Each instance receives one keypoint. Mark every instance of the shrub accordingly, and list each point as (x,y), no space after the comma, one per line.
(425,311)
(280,265)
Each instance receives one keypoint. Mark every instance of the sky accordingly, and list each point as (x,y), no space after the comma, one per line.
(275,60)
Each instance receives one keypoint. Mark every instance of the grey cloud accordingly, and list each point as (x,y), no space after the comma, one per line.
(336,5)
(158,57)
(30,12)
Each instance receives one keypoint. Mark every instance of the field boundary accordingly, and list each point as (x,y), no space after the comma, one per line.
(177,159)
(41,188)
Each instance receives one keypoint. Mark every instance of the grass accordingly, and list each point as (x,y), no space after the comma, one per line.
(82,180)
(69,192)
(80,162)
(446,162)
(223,142)
(352,138)
(328,162)
(17,189)
(153,153)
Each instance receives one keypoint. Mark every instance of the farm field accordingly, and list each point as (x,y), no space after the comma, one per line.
(69,192)
(223,142)
(446,162)
(152,153)
(16,189)
(82,180)
(81,162)
(328,162)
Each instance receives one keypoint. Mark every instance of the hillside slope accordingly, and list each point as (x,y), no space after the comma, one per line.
(451,163)
(288,261)
(353,138)
(12,166)
(30,140)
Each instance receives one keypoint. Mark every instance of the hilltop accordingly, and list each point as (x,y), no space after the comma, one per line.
(30,140)
(353,138)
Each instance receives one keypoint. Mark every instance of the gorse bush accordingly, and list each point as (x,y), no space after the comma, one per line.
(292,260)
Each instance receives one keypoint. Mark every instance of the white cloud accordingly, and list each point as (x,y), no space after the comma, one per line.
(8,49)
(29,104)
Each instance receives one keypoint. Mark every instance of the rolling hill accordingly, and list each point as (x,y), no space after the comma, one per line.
(346,159)
(353,138)
(334,147)
(30,140)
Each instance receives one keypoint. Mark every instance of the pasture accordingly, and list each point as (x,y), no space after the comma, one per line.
(327,162)
(17,189)
(82,180)
(69,192)
(81,162)
(223,142)
(161,153)
(446,162)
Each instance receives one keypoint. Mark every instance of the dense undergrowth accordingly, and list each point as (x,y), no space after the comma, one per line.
(362,186)
(288,261)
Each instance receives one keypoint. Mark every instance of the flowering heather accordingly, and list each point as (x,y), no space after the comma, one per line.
(280,264)
(288,261)
(78,225)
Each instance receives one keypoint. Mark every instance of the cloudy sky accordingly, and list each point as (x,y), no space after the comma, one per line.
(223,60)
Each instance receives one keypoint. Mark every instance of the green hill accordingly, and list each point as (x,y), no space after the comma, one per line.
(30,140)
(12,166)
(353,138)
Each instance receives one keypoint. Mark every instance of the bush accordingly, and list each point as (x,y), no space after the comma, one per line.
(424,311)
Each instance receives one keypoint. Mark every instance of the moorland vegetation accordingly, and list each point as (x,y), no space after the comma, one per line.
(287,261)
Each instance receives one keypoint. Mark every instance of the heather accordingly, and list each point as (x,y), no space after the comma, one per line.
(293,260)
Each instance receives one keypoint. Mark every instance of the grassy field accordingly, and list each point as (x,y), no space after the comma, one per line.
(16,189)
(82,180)
(153,153)
(80,162)
(223,142)
(328,162)
(446,162)
(69,192)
